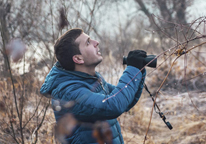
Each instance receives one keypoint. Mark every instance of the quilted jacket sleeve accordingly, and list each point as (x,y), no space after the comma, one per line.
(93,106)
(138,93)
(111,87)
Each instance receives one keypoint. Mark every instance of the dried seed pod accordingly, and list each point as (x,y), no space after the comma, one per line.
(65,127)
(102,132)
(63,22)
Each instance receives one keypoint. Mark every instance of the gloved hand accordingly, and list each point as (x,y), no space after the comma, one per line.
(136,58)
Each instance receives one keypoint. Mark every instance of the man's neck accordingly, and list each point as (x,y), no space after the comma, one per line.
(88,70)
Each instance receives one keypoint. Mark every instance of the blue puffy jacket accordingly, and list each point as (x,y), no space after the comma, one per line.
(89,92)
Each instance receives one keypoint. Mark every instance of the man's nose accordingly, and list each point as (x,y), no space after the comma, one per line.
(96,43)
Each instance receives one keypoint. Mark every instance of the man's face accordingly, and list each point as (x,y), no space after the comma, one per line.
(89,50)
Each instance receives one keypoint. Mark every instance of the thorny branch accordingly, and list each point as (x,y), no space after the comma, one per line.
(180,49)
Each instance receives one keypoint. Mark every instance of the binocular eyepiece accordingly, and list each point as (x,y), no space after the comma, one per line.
(149,59)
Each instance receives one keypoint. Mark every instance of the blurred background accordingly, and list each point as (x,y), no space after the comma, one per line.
(168,29)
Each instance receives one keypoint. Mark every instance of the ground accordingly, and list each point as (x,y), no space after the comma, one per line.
(188,120)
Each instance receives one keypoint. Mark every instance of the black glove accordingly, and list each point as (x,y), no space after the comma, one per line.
(136,58)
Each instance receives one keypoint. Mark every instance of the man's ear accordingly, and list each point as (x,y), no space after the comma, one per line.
(78,59)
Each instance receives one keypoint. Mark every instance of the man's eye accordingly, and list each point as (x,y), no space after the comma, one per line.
(88,42)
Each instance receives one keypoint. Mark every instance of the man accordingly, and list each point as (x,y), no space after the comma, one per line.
(73,78)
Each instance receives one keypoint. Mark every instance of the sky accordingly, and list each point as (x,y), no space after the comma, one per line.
(198,9)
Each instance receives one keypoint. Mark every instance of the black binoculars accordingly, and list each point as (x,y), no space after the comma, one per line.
(149,59)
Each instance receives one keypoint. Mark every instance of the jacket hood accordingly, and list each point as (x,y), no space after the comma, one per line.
(59,77)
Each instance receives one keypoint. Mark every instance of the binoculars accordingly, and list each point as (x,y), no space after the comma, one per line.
(149,59)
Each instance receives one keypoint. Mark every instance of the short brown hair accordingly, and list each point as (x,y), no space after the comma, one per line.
(66,47)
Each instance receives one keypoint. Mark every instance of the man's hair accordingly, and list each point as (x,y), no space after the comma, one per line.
(66,47)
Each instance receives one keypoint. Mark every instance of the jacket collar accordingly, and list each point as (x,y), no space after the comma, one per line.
(76,73)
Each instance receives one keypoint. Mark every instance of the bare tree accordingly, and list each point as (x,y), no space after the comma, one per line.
(4,10)
(172,14)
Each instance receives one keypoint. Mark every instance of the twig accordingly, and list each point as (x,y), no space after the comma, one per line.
(33,113)
(39,126)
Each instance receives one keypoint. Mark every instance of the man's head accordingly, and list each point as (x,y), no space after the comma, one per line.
(66,47)
(75,48)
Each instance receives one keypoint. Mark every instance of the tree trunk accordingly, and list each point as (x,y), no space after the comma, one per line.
(4,36)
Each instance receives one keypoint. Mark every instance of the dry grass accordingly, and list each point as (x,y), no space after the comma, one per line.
(188,123)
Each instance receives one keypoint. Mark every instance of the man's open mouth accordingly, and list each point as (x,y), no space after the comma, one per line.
(99,53)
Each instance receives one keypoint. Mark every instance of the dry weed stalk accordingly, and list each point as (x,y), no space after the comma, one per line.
(15,122)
